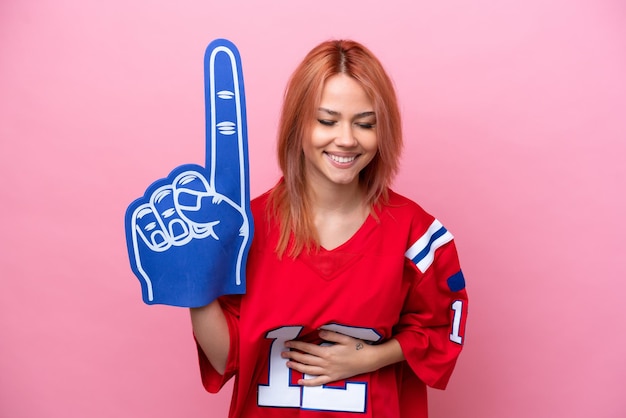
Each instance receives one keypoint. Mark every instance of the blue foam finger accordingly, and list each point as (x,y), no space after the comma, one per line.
(188,237)
(225,106)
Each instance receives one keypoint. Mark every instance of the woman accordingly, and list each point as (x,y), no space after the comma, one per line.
(355,297)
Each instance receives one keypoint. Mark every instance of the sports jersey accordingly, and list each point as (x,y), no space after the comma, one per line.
(397,276)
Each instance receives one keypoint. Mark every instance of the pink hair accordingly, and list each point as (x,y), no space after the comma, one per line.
(288,200)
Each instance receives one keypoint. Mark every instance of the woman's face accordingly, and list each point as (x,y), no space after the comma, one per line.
(343,136)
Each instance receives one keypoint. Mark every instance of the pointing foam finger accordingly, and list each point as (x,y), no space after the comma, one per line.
(226,145)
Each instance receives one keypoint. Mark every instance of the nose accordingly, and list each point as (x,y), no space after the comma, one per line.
(346,136)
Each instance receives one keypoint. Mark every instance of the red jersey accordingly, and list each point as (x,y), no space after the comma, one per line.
(397,276)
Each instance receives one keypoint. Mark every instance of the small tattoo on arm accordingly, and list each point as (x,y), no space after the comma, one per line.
(359,346)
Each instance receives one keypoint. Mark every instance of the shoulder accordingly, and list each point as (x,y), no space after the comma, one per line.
(402,209)
(423,232)
(262,218)
(427,236)
(258,205)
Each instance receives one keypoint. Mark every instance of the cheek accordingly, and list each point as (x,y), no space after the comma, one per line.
(309,147)
(367,160)
(317,138)
(370,142)
(370,146)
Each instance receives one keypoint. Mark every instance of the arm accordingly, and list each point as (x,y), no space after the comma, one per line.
(216,331)
(211,331)
(431,329)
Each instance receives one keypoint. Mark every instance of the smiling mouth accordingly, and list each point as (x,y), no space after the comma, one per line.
(341,160)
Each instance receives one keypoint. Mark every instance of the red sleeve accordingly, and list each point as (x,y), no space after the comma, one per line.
(431,329)
(211,379)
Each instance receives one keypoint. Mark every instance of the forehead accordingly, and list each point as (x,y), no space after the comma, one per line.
(341,91)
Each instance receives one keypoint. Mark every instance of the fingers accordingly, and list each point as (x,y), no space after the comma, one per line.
(304,347)
(335,337)
(339,357)
(158,223)
(147,225)
(313,367)
(191,190)
(176,212)
(163,204)
(316,362)
(303,353)
(227,136)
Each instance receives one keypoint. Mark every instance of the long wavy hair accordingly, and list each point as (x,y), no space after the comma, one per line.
(289,201)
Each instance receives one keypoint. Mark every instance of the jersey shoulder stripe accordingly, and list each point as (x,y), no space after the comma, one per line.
(422,252)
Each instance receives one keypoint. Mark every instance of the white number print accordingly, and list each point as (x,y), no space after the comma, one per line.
(279,392)
(457,307)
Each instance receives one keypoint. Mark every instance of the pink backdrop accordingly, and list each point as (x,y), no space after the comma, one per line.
(515,120)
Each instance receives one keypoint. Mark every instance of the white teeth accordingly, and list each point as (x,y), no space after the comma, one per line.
(342,160)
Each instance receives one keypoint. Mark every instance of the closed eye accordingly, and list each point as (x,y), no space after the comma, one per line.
(366,125)
(327,122)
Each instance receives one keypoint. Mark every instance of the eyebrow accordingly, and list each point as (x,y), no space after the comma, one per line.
(357,116)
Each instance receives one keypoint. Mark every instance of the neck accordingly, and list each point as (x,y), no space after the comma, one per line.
(337,199)
(338,213)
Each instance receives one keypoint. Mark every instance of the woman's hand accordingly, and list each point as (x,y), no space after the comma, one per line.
(345,357)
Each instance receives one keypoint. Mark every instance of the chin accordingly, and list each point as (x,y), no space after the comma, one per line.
(344,181)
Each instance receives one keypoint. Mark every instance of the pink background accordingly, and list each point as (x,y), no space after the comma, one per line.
(515,121)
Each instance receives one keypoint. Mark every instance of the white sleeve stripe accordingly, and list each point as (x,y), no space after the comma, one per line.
(422,252)
(423,241)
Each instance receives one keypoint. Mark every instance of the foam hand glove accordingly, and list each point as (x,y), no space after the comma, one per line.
(188,236)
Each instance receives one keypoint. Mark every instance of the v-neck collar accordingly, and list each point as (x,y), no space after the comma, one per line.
(328,264)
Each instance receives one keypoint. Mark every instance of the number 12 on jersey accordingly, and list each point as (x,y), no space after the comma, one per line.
(279,392)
